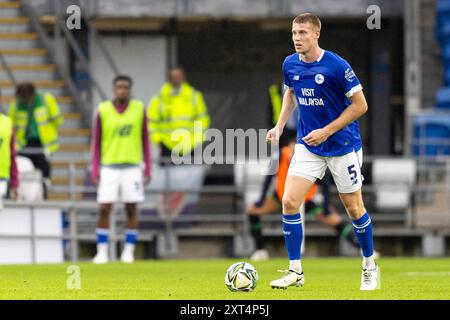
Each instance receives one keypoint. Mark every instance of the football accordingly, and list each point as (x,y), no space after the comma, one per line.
(241,276)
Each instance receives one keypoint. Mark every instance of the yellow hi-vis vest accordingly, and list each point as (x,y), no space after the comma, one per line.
(276,101)
(5,146)
(185,110)
(121,133)
(48,119)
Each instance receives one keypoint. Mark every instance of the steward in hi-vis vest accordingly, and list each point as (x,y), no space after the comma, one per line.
(8,167)
(178,106)
(36,118)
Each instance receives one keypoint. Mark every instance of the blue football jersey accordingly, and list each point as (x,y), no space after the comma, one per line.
(322,90)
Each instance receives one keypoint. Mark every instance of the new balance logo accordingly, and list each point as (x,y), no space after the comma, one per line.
(354,182)
(123,131)
(360,230)
(286,233)
(296,77)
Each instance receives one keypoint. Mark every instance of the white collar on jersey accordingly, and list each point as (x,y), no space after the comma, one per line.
(318,59)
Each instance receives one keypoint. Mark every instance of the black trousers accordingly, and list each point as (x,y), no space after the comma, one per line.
(167,153)
(39,161)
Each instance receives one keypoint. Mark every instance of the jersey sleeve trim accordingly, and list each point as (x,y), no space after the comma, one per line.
(352,91)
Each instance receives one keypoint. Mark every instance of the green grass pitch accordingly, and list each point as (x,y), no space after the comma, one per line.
(325,278)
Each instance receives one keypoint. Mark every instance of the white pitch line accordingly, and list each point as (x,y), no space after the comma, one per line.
(429,273)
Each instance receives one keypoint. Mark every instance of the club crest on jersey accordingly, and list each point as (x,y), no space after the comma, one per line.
(319,78)
(349,75)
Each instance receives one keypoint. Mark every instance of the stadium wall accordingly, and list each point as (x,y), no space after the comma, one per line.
(142,57)
(432,68)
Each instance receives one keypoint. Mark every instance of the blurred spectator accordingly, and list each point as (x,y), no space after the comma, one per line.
(8,166)
(177,106)
(276,92)
(36,118)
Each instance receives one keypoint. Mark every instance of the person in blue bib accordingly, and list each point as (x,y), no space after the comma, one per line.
(330,100)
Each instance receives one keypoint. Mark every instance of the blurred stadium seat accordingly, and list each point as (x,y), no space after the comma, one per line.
(431,132)
(443,98)
(447,77)
(30,188)
(443,19)
(393,180)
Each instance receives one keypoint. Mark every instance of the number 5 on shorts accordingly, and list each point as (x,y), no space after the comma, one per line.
(352,172)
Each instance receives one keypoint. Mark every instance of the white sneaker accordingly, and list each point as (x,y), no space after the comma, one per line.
(100,258)
(370,279)
(260,255)
(290,278)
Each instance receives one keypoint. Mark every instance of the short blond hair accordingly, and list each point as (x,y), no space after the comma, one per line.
(308,17)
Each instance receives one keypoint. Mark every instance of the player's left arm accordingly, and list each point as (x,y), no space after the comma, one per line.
(354,111)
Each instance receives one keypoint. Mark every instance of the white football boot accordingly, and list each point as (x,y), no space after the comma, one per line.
(260,255)
(290,278)
(371,279)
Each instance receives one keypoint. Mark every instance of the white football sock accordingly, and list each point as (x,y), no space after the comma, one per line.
(129,248)
(295,265)
(369,263)
(102,248)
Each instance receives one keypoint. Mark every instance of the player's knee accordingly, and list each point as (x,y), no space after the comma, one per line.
(251,210)
(355,210)
(290,205)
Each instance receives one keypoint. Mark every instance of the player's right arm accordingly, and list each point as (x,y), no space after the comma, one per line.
(287,108)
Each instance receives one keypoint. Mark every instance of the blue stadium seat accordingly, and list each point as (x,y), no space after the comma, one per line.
(434,126)
(444,32)
(446,54)
(443,98)
(443,7)
(443,15)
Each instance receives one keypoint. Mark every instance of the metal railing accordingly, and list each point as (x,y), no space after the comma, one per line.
(51,46)
(10,74)
(29,11)
(432,172)
(60,25)
(432,178)
(7,69)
